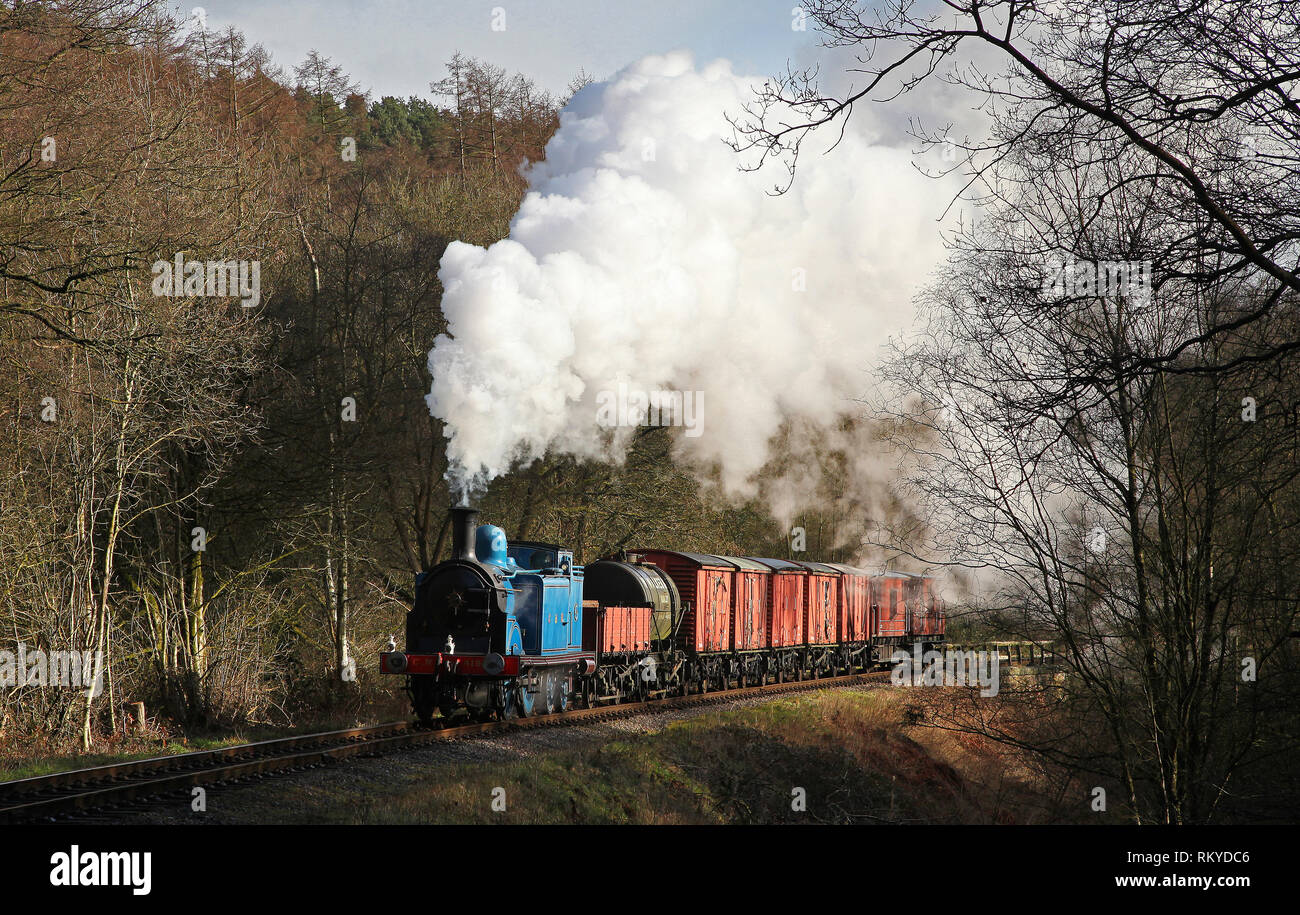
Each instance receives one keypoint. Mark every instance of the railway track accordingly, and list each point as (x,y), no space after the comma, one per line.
(80,792)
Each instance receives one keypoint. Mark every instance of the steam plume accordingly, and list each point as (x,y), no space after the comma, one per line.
(643,255)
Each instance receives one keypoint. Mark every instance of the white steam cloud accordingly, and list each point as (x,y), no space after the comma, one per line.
(642,255)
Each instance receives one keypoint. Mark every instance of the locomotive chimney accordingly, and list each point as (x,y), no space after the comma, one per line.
(464,521)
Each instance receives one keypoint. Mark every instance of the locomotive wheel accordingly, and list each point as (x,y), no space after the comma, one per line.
(424,699)
(525,700)
(561,692)
(504,700)
(505,713)
(550,689)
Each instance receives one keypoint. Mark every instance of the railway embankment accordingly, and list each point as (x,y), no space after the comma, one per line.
(849,755)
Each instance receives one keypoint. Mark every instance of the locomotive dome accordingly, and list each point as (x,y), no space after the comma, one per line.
(490,545)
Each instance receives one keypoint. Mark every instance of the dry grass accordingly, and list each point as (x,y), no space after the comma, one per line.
(852,752)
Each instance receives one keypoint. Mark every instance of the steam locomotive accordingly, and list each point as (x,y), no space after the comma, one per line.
(507,629)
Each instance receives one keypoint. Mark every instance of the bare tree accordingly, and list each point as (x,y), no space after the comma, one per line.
(1201,94)
(1145,521)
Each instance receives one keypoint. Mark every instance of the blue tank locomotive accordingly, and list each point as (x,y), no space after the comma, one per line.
(496,629)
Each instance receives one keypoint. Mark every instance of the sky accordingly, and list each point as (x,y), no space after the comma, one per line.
(396,47)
